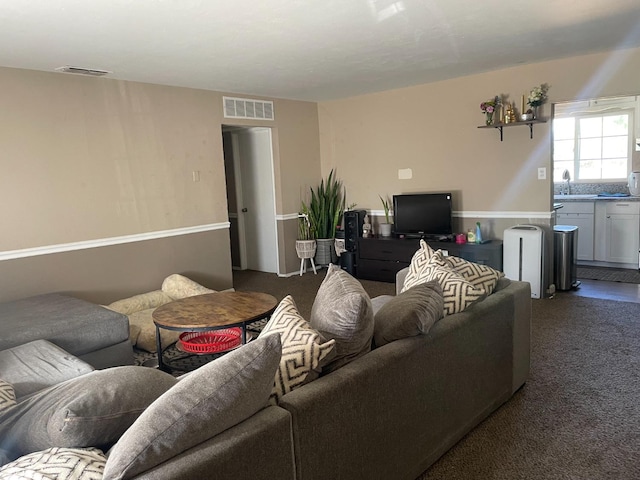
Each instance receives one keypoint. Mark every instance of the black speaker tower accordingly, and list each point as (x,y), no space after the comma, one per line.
(353,221)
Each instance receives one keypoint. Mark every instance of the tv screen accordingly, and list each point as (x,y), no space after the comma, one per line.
(426,215)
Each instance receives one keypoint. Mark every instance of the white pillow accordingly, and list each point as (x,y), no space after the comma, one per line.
(480,276)
(420,259)
(304,350)
(7,396)
(56,462)
(458,294)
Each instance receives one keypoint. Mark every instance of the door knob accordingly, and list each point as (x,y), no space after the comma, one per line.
(244,210)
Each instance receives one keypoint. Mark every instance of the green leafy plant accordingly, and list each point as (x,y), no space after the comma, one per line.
(305,228)
(327,206)
(386,204)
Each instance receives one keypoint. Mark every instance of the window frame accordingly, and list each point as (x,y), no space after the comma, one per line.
(596,108)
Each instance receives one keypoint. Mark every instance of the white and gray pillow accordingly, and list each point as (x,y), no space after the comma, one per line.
(420,259)
(304,350)
(458,294)
(7,396)
(342,311)
(56,462)
(480,276)
(204,403)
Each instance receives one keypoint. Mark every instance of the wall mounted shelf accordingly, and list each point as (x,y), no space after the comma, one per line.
(500,126)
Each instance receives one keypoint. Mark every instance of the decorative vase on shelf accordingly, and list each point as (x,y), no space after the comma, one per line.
(534,109)
(489,118)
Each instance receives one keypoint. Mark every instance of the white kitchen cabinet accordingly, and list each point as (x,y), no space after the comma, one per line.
(581,215)
(617,231)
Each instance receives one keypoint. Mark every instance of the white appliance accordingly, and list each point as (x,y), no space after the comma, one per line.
(634,184)
(523,255)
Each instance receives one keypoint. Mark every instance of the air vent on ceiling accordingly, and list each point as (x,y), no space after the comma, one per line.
(247,108)
(83,71)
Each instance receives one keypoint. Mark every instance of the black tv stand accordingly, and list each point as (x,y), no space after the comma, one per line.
(381,258)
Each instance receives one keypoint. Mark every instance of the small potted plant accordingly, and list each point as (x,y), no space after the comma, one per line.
(306,243)
(385,228)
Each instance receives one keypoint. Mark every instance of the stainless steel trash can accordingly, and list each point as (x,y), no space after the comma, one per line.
(565,238)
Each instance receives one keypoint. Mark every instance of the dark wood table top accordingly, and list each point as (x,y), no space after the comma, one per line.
(214,310)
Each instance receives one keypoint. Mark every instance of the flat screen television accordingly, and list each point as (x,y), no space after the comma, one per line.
(427,215)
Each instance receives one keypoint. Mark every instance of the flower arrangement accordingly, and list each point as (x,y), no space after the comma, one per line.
(538,95)
(489,106)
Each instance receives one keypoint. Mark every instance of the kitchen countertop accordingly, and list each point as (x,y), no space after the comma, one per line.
(582,198)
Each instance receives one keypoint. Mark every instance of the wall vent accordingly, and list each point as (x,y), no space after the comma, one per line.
(83,71)
(247,108)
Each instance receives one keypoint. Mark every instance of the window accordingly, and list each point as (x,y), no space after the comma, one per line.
(593,140)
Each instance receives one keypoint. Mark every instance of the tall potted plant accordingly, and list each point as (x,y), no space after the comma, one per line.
(326,209)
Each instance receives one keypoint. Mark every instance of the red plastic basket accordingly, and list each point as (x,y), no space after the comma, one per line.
(211,342)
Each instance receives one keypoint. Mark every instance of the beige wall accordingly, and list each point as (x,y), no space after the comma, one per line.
(89,159)
(432,129)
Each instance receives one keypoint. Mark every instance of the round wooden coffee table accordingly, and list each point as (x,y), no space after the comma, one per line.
(210,312)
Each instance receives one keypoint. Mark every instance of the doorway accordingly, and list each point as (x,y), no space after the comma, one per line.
(248,159)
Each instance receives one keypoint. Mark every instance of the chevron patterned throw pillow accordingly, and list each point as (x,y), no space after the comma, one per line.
(480,276)
(457,292)
(304,350)
(7,395)
(419,260)
(62,463)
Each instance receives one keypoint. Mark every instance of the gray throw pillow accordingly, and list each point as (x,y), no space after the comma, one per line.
(204,403)
(93,410)
(342,311)
(411,313)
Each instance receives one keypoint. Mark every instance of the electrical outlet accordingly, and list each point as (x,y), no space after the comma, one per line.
(542,173)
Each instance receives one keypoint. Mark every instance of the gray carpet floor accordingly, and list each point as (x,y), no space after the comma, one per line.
(578,416)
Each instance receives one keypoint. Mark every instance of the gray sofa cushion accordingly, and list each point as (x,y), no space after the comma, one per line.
(411,313)
(342,311)
(93,410)
(38,365)
(73,324)
(204,403)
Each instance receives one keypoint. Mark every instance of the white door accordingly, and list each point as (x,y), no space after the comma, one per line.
(257,198)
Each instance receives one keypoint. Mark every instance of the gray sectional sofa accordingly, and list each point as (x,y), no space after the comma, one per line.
(389,414)
(90,332)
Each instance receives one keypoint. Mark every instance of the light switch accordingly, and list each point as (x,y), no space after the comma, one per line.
(196,175)
(542,173)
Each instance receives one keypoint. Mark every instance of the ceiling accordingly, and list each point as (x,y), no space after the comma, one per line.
(306,49)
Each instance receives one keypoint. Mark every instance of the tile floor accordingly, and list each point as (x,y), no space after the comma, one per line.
(625,292)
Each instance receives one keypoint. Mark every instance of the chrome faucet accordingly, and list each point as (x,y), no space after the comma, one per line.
(567,188)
